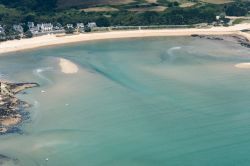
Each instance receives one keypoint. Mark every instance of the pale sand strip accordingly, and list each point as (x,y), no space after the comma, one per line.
(48,40)
(243,65)
(67,66)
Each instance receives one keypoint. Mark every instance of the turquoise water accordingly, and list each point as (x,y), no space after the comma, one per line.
(175,101)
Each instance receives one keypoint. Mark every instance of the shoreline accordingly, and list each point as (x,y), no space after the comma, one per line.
(53,40)
(12,108)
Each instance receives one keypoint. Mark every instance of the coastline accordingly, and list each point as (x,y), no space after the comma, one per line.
(11,114)
(51,40)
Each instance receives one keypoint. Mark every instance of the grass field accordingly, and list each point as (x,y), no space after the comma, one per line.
(187,4)
(151,1)
(217,1)
(104,3)
(154,8)
(100,9)
(87,3)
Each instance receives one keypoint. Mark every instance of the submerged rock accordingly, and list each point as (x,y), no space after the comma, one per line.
(210,37)
(5,160)
(241,40)
(10,106)
(245,44)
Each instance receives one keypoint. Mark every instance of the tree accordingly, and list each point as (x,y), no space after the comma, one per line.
(176,3)
(235,10)
(69,30)
(28,5)
(87,29)
(2,37)
(29,17)
(28,34)
(25,28)
(103,22)
(173,4)
(11,33)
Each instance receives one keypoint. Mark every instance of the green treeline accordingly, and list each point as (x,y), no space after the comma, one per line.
(238,9)
(22,11)
(175,17)
(30,5)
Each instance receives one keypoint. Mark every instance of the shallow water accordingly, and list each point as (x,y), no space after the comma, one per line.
(154,101)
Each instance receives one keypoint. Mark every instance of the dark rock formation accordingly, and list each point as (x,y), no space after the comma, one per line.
(242,41)
(208,37)
(234,38)
(245,44)
(11,107)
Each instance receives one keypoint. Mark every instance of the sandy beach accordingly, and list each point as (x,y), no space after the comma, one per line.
(49,40)
(67,66)
(243,65)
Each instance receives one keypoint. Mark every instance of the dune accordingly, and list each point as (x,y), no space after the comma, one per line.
(67,66)
(243,65)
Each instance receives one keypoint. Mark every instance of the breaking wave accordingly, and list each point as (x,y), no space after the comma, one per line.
(169,55)
(39,72)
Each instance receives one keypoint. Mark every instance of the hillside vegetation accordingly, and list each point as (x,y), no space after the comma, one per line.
(119,12)
(31,5)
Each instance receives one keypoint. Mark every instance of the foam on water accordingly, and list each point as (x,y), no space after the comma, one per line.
(39,72)
(170,56)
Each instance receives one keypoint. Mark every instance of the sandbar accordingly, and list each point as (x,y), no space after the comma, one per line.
(67,66)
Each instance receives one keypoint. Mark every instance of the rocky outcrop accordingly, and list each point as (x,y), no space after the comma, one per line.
(207,37)
(242,41)
(5,160)
(245,44)
(10,106)
(232,38)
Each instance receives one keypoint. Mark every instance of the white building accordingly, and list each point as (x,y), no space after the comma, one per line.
(1,30)
(91,24)
(69,26)
(18,28)
(80,26)
(2,33)
(33,29)
(31,25)
(58,26)
(45,27)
